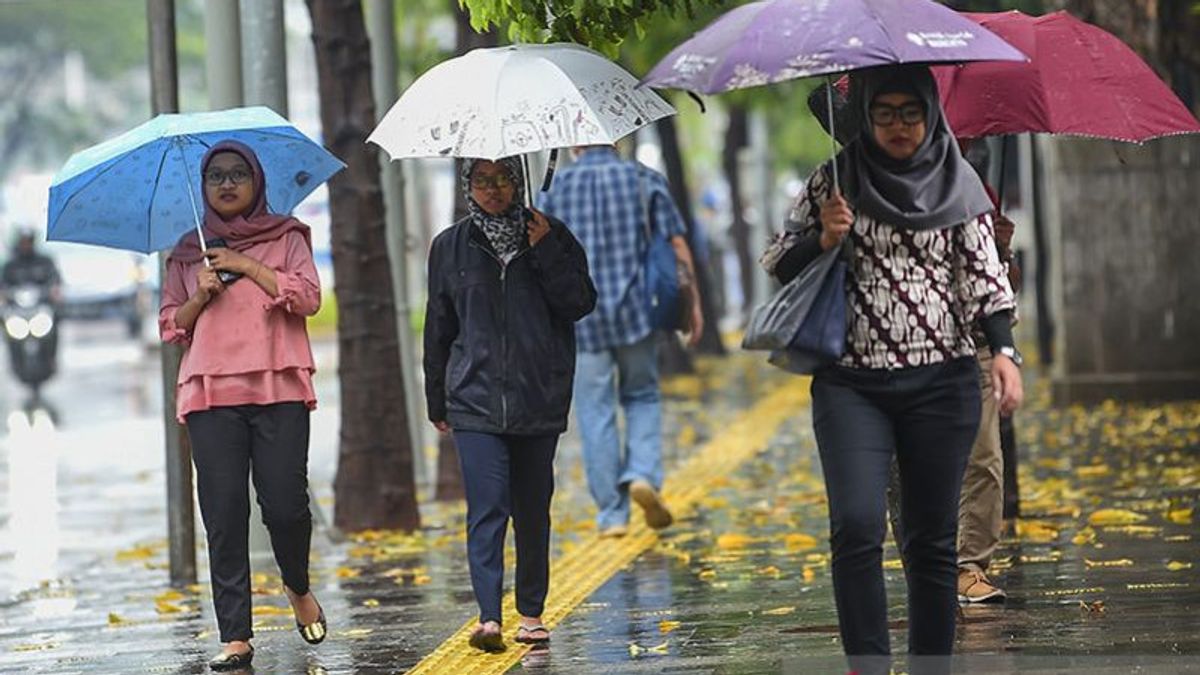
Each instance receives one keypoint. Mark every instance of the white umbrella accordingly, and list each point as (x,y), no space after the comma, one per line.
(505,101)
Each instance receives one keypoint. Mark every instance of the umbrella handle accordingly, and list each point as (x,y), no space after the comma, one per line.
(192,200)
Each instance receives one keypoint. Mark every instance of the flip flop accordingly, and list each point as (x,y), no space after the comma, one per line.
(524,637)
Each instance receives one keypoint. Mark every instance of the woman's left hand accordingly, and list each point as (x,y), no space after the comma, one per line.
(229,260)
(538,228)
(1006,383)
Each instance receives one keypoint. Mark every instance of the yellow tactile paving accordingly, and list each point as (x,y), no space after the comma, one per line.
(576,575)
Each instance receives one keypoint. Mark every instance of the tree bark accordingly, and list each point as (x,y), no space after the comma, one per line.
(449,485)
(374,487)
(668,135)
(736,138)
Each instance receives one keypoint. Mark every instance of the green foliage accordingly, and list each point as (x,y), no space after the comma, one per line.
(600,24)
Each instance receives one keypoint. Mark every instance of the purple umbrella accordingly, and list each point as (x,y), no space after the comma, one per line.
(777,40)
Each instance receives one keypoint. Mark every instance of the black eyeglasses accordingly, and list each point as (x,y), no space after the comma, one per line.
(499,181)
(884,115)
(216,177)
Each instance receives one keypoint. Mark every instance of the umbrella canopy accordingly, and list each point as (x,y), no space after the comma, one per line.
(504,101)
(1080,80)
(777,40)
(141,191)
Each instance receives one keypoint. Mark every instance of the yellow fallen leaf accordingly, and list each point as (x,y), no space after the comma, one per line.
(115,619)
(169,596)
(799,541)
(1178,538)
(809,575)
(1119,562)
(733,540)
(666,626)
(780,611)
(1085,536)
(41,647)
(421,579)
(165,607)
(769,571)
(136,553)
(1115,517)
(1143,531)
(1092,471)
(687,437)
(346,573)
(708,575)
(1176,565)
(370,602)
(1180,516)
(896,564)
(658,649)
(1036,531)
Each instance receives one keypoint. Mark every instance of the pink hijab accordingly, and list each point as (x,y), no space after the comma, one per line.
(253,226)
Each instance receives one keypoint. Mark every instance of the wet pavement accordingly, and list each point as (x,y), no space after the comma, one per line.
(1100,569)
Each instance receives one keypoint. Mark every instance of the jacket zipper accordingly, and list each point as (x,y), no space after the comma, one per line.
(503,330)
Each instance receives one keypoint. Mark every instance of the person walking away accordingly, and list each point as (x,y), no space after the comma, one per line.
(245,388)
(506,286)
(606,201)
(923,271)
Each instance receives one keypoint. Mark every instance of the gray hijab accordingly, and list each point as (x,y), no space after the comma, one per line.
(505,232)
(935,188)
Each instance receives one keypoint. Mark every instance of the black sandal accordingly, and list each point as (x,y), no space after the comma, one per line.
(315,632)
(523,634)
(223,661)
(483,639)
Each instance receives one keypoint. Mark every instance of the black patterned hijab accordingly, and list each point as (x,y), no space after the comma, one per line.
(933,189)
(507,231)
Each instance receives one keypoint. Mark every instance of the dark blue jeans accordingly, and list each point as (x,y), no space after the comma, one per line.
(928,416)
(508,476)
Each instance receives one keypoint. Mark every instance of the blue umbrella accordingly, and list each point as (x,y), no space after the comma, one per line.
(141,191)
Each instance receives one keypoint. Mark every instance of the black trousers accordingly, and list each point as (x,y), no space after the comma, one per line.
(508,476)
(269,443)
(928,416)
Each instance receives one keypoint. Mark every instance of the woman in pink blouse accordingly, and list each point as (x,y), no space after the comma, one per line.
(923,272)
(245,386)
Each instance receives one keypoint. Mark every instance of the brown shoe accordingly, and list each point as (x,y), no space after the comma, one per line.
(657,515)
(974,586)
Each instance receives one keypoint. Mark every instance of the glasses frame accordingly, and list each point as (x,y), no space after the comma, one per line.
(497,182)
(897,114)
(227,175)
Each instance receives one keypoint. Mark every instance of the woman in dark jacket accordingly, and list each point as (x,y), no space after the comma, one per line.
(923,272)
(506,286)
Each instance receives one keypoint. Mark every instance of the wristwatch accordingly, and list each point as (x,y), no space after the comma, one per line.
(1013,354)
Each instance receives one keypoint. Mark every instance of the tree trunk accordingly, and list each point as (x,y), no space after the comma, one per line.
(668,135)
(449,485)
(374,487)
(736,138)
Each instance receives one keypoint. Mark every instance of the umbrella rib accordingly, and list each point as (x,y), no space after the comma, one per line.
(150,206)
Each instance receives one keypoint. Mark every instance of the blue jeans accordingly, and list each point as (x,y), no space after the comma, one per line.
(628,375)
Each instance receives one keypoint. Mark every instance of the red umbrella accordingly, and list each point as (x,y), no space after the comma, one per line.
(1080,80)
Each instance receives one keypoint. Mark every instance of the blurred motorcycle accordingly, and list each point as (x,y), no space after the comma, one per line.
(31,328)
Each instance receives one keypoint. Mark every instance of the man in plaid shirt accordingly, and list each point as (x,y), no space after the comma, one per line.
(605,201)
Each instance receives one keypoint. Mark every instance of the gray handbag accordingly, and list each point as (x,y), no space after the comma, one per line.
(804,324)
